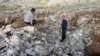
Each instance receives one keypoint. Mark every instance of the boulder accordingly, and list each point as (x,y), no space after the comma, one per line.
(15,41)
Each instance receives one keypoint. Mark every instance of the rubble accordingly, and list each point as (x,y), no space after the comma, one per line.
(29,45)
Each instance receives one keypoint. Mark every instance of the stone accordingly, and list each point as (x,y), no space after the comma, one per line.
(37,42)
(65,55)
(40,50)
(14,40)
(29,55)
(2,46)
(11,52)
(22,54)
(7,29)
(7,40)
(30,51)
(29,29)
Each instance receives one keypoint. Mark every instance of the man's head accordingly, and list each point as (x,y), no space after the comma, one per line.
(63,16)
(33,10)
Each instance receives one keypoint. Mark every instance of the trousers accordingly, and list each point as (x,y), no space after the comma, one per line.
(63,34)
(28,23)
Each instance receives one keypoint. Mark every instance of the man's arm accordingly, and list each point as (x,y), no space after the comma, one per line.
(31,20)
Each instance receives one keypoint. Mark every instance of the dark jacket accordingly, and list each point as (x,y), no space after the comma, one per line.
(64,24)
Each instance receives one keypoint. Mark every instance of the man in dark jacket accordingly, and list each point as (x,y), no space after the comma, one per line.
(64,27)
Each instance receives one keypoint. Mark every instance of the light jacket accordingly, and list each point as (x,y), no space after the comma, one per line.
(28,16)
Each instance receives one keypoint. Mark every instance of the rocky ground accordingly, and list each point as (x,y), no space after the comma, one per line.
(18,42)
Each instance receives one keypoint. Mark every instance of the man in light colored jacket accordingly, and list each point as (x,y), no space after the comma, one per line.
(28,17)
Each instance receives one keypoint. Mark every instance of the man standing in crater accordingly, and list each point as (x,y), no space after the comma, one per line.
(63,27)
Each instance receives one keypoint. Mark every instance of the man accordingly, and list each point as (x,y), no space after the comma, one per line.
(29,18)
(64,27)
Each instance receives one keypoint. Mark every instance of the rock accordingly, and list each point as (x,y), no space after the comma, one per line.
(22,54)
(30,51)
(2,46)
(11,52)
(87,41)
(65,55)
(44,34)
(37,42)
(15,41)
(29,55)
(40,50)
(29,29)
(7,29)
(7,40)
